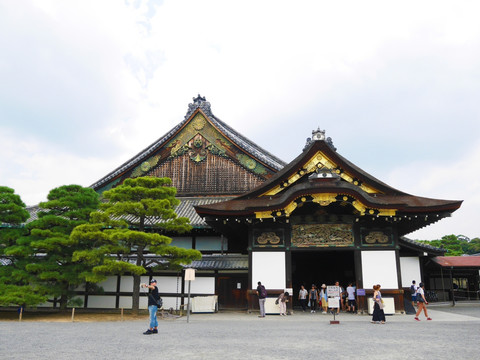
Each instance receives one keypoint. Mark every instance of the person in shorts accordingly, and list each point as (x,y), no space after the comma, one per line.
(352,304)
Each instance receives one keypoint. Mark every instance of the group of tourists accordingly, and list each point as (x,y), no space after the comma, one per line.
(318,298)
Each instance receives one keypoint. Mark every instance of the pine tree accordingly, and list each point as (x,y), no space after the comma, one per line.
(15,285)
(131,223)
(48,246)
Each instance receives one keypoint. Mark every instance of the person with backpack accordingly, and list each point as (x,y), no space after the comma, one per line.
(422,302)
(413,292)
(262,295)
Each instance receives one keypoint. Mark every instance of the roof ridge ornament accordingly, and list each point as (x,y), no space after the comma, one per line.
(199,102)
(319,135)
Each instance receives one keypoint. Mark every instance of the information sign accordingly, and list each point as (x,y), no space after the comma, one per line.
(334,302)
(333,291)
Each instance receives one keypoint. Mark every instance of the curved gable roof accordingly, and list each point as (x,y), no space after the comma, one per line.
(199,106)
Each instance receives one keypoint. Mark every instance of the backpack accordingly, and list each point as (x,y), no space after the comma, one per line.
(412,289)
(263,292)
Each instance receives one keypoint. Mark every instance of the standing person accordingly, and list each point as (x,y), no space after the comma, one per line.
(312,298)
(351,298)
(302,297)
(153,297)
(413,291)
(323,296)
(378,314)
(262,295)
(341,301)
(421,301)
(282,302)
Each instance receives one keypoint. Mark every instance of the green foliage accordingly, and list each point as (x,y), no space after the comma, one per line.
(119,231)
(15,287)
(42,257)
(456,245)
(12,208)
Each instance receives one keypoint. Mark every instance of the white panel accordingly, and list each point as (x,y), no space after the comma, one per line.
(201,285)
(208,243)
(171,302)
(204,304)
(184,242)
(271,307)
(388,306)
(110,284)
(410,270)
(125,302)
(379,267)
(126,283)
(168,284)
(143,302)
(269,268)
(101,301)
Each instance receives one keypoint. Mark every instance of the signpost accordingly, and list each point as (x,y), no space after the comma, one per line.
(333,293)
(189,276)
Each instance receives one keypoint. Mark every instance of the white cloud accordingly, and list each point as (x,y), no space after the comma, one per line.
(91,83)
(451,180)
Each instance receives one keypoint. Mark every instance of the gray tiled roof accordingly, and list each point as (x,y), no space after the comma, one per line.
(207,262)
(184,209)
(420,245)
(221,262)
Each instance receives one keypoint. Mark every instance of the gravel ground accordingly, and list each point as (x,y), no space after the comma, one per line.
(454,332)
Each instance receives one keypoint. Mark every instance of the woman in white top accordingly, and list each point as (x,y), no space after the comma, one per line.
(422,302)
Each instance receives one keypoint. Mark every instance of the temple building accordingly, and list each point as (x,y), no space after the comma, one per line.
(318,219)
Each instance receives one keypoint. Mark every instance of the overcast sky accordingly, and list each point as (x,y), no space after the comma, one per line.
(85,85)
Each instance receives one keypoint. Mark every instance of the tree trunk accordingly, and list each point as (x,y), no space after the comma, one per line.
(63,301)
(136,283)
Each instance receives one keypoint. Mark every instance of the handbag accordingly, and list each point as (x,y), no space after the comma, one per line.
(276,302)
(158,301)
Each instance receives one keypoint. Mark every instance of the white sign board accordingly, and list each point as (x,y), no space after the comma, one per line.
(189,274)
(334,302)
(333,291)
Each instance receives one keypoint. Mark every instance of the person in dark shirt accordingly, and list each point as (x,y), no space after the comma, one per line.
(152,307)
(262,295)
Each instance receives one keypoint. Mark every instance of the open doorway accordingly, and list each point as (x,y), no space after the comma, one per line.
(321,267)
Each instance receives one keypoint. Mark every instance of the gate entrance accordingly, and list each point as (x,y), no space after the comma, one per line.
(321,267)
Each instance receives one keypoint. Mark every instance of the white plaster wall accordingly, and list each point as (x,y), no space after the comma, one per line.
(125,302)
(171,302)
(168,284)
(379,267)
(410,270)
(388,303)
(269,268)
(110,284)
(101,301)
(126,283)
(201,285)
